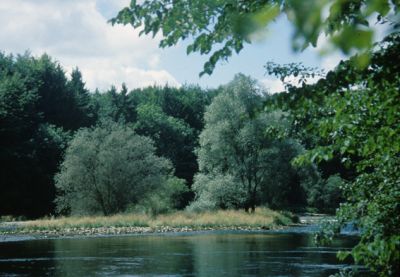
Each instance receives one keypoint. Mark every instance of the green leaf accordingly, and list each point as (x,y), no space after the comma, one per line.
(353,38)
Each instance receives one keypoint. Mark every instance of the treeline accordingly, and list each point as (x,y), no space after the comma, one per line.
(67,150)
(41,111)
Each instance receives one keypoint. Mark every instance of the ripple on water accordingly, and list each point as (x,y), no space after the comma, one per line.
(205,254)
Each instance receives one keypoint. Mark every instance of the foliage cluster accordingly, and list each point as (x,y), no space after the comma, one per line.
(42,112)
(39,108)
(121,150)
(245,156)
(223,27)
(352,116)
(107,168)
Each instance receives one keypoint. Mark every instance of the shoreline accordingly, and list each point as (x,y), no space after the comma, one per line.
(70,233)
(120,225)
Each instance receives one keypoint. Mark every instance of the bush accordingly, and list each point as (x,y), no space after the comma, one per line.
(327,195)
(164,199)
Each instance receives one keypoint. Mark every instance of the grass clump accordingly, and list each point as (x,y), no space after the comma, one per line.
(217,219)
(119,220)
(220,219)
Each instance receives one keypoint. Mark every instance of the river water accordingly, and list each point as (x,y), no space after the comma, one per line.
(214,253)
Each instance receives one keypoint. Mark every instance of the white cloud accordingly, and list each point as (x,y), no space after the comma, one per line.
(274,85)
(76,33)
(331,61)
(154,61)
(101,74)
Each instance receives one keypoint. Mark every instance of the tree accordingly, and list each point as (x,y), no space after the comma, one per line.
(115,106)
(221,28)
(172,117)
(354,115)
(240,152)
(55,101)
(173,137)
(31,143)
(326,195)
(84,111)
(165,198)
(107,168)
(231,144)
(49,145)
(18,124)
(288,186)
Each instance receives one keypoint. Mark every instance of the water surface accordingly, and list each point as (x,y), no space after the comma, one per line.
(190,254)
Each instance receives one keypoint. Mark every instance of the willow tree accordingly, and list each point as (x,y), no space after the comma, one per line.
(240,153)
(108,168)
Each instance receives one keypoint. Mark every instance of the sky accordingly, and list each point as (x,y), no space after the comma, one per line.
(76,34)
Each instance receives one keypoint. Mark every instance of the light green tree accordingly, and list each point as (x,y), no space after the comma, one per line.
(107,168)
(237,150)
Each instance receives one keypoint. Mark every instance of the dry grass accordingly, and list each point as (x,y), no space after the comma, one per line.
(120,220)
(222,218)
(216,219)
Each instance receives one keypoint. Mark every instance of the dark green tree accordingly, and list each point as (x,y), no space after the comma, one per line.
(55,100)
(83,111)
(172,117)
(173,137)
(36,108)
(115,106)
(18,125)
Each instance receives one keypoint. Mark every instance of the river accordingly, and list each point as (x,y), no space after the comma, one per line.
(213,253)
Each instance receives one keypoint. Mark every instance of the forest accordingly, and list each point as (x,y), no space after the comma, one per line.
(68,150)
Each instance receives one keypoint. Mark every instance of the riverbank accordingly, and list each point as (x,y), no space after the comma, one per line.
(123,224)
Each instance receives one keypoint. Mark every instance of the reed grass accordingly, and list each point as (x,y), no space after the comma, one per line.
(262,217)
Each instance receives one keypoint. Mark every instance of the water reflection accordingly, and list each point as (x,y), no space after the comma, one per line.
(205,254)
(145,255)
(262,255)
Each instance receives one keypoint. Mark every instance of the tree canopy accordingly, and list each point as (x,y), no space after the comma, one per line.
(39,107)
(221,28)
(353,116)
(107,168)
(243,161)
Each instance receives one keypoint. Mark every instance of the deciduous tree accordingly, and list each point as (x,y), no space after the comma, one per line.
(107,168)
(222,27)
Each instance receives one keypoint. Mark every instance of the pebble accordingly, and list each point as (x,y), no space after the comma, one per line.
(113,230)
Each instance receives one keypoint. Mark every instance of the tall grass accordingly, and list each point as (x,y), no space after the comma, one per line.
(222,218)
(262,217)
(119,220)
